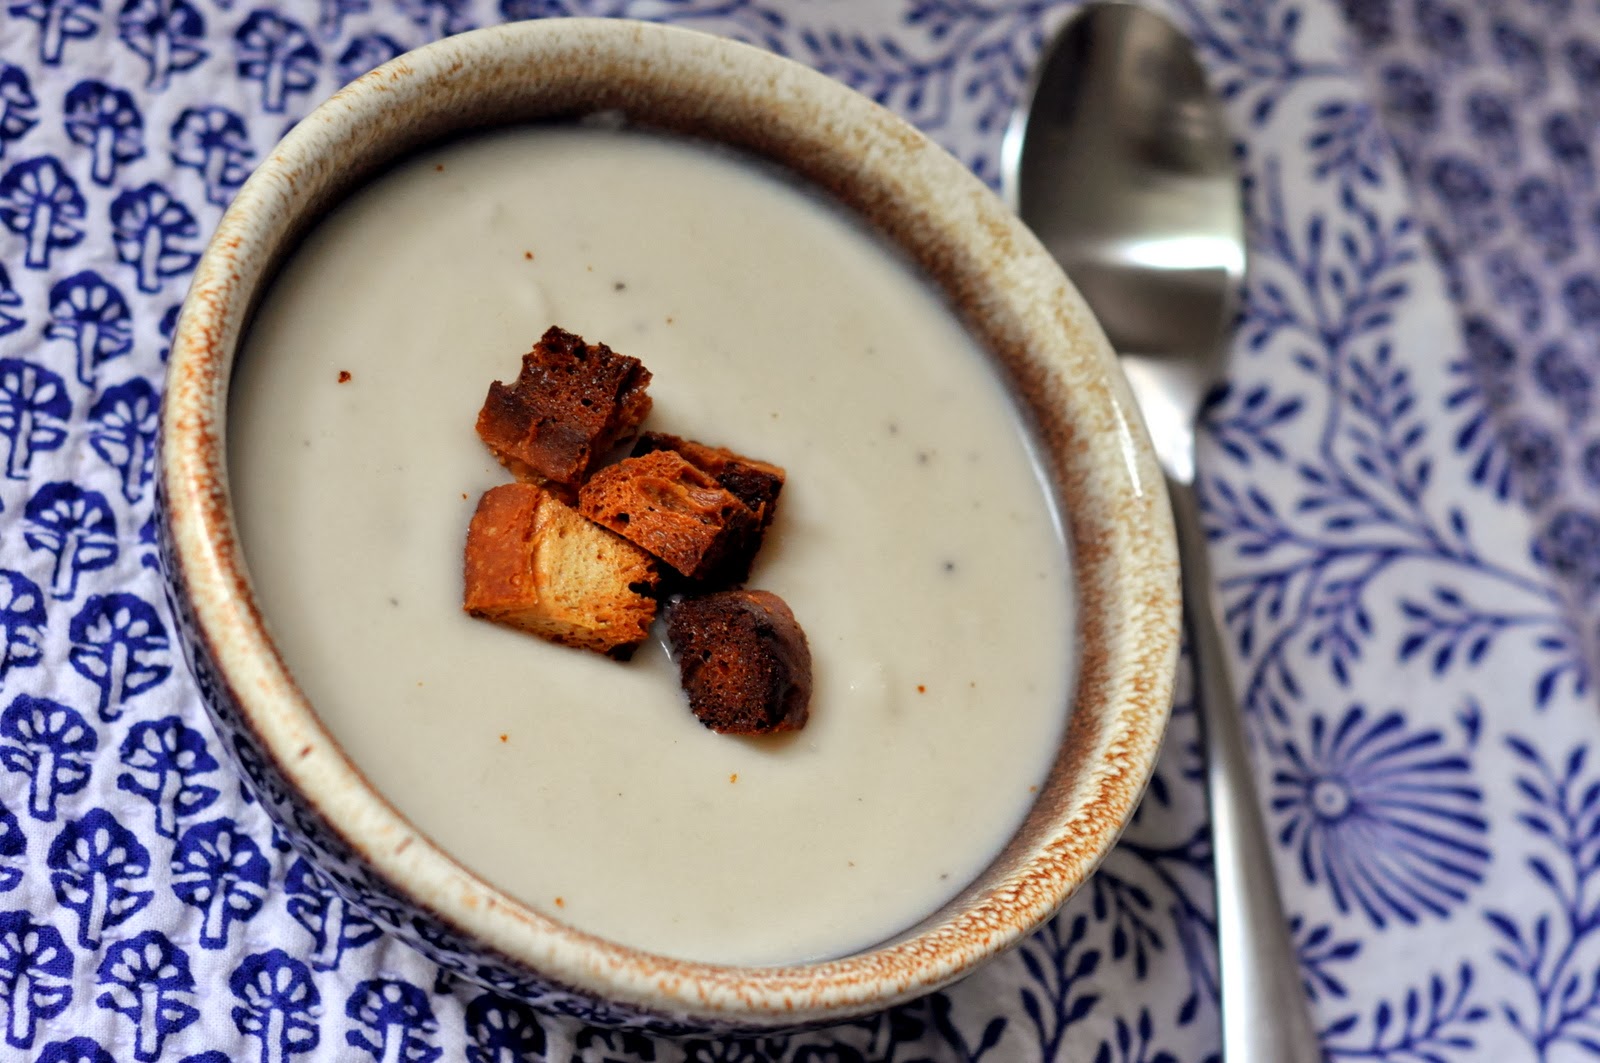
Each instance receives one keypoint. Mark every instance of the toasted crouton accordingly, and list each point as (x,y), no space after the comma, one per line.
(533,563)
(571,403)
(676,512)
(743,660)
(755,483)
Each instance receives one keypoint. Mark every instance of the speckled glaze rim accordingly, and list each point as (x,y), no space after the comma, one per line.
(1013,295)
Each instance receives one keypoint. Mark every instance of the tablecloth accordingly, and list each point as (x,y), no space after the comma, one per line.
(1400,482)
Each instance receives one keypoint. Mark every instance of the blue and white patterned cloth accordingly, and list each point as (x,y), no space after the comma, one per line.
(1402,484)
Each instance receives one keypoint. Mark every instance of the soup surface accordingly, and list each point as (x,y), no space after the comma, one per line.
(914,541)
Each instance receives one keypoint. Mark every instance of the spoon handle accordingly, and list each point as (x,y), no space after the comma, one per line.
(1265,1017)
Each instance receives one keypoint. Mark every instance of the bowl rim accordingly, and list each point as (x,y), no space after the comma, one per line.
(1114,485)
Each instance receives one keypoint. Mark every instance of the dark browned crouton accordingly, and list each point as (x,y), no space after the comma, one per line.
(676,512)
(755,483)
(571,402)
(743,661)
(533,563)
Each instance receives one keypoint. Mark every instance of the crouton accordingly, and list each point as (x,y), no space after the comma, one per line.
(571,403)
(755,483)
(533,563)
(743,660)
(678,513)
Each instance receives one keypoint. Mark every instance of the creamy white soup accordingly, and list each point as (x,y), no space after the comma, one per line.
(915,542)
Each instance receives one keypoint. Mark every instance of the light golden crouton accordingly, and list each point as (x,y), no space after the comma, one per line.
(535,564)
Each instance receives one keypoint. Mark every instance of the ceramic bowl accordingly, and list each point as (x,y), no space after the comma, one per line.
(1014,299)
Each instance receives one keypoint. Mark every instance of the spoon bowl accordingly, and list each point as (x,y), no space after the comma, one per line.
(1119,159)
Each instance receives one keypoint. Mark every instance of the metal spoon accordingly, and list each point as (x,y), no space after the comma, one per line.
(1118,158)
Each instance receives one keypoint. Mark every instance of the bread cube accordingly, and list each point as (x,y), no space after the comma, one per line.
(571,402)
(755,483)
(743,660)
(678,513)
(535,564)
